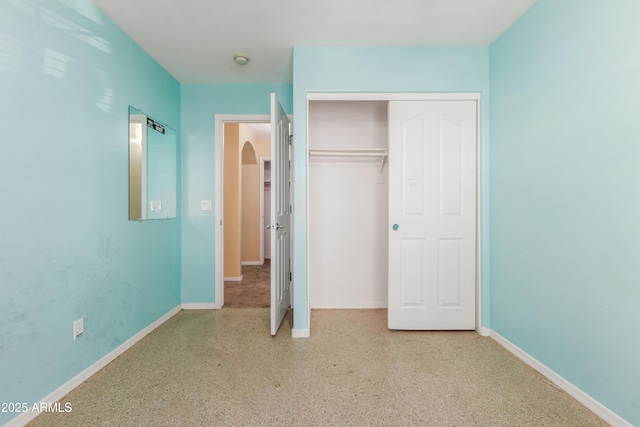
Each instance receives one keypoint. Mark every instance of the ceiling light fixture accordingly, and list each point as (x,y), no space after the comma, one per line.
(240,59)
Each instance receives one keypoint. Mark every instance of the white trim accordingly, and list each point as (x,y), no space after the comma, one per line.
(300,333)
(232,279)
(251,263)
(415,96)
(483,332)
(592,404)
(305,232)
(479,327)
(74,382)
(349,306)
(219,120)
(199,306)
(263,226)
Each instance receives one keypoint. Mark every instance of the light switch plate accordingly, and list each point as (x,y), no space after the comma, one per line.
(78,328)
(206,205)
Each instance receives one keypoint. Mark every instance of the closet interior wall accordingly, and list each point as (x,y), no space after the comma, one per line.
(348,206)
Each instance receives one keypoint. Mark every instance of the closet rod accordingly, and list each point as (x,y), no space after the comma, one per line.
(349,152)
(353,152)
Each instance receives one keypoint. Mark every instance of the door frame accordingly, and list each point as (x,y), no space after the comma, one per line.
(219,121)
(394,96)
(263,161)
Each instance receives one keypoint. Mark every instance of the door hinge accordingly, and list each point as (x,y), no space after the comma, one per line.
(290,138)
(290,277)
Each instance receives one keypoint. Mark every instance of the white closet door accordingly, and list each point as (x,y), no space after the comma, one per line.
(432,214)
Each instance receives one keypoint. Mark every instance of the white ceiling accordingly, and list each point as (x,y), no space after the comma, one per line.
(195,40)
(260,130)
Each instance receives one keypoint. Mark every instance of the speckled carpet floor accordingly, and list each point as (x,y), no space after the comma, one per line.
(222,368)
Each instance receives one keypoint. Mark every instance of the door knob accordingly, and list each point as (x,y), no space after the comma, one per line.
(279,227)
(395,227)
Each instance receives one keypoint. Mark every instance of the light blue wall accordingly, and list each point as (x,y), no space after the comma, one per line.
(67,249)
(396,69)
(565,199)
(200,103)
(161,150)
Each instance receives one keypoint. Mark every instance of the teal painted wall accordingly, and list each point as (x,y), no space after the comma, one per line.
(394,69)
(67,249)
(161,172)
(200,103)
(565,199)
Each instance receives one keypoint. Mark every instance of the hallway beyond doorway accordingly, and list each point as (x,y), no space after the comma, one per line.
(253,291)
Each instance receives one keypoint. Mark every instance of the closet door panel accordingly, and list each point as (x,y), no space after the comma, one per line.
(413,254)
(432,200)
(413,165)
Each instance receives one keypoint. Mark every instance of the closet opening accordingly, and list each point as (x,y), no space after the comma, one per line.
(394,211)
(348,204)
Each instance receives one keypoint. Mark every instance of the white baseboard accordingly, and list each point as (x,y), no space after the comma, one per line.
(300,333)
(199,306)
(592,404)
(74,382)
(483,332)
(233,279)
(251,263)
(348,306)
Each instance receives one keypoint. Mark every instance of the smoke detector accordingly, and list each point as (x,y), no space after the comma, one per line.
(240,59)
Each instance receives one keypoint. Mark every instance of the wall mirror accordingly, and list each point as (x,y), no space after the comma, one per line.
(152,168)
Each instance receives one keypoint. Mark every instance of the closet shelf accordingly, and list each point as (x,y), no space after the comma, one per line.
(352,152)
(349,152)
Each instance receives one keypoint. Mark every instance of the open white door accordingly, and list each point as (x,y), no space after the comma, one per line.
(280,215)
(432,214)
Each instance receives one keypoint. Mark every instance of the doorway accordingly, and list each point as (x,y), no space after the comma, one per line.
(253,290)
(280,151)
(242,272)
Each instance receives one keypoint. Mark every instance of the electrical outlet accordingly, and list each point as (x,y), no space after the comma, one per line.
(78,328)
(155,205)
